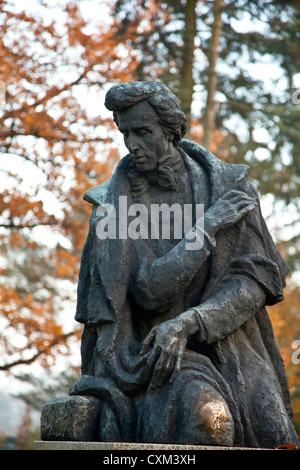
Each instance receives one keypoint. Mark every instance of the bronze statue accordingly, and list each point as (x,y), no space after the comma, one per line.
(177,343)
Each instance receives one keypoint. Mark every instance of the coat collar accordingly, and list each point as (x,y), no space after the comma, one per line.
(223,176)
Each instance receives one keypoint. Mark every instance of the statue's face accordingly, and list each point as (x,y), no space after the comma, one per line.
(144,137)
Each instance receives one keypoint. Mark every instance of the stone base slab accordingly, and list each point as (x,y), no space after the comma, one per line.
(128,446)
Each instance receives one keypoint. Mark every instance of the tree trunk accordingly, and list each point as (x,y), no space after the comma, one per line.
(213,53)
(185,92)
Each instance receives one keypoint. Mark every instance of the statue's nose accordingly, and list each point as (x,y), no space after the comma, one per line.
(133,149)
(132,144)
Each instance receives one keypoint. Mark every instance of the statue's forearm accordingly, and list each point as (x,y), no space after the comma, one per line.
(236,300)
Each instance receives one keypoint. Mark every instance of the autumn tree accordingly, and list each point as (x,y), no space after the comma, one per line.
(54,138)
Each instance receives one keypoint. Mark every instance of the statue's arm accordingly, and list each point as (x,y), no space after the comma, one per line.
(158,281)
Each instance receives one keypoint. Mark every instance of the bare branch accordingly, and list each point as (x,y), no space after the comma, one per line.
(41,351)
(51,137)
(20,226)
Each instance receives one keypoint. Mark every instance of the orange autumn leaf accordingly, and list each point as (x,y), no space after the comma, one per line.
(289,446)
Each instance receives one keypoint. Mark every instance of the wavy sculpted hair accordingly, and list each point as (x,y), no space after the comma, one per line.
(157,95)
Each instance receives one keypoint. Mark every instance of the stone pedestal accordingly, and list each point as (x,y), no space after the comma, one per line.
(73,418)
(72,423)
(130,446)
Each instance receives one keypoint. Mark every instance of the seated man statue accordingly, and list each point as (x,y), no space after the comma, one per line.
(177,343)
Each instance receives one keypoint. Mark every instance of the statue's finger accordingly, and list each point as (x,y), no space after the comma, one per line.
(152,359)
(178,360)
(148,341)
(163,369)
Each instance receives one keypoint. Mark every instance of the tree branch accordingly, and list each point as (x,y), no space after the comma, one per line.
(51,137)
(20,226)
(213,55)
(55,342)
(53,92)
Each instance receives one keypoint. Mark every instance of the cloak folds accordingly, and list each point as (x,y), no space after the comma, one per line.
(235,349)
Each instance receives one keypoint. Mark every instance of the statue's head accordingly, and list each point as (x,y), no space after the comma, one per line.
(149,116)
(157,95)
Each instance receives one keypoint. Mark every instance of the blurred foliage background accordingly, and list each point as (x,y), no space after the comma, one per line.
(235,65)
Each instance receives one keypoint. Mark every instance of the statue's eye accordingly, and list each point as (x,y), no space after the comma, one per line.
(143,131)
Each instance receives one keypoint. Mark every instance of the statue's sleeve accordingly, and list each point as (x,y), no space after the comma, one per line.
(84,281)
(236,299)
(157,282)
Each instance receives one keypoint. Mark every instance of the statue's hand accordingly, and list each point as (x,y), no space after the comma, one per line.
(165,346)
(229,209)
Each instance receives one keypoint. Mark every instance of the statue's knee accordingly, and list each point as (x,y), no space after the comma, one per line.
(206,416)
(216,423)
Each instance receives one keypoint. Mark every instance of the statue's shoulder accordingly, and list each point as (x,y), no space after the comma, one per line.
(223,174)
(101,194)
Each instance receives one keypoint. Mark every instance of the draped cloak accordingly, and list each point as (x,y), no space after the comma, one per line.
(235,352)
